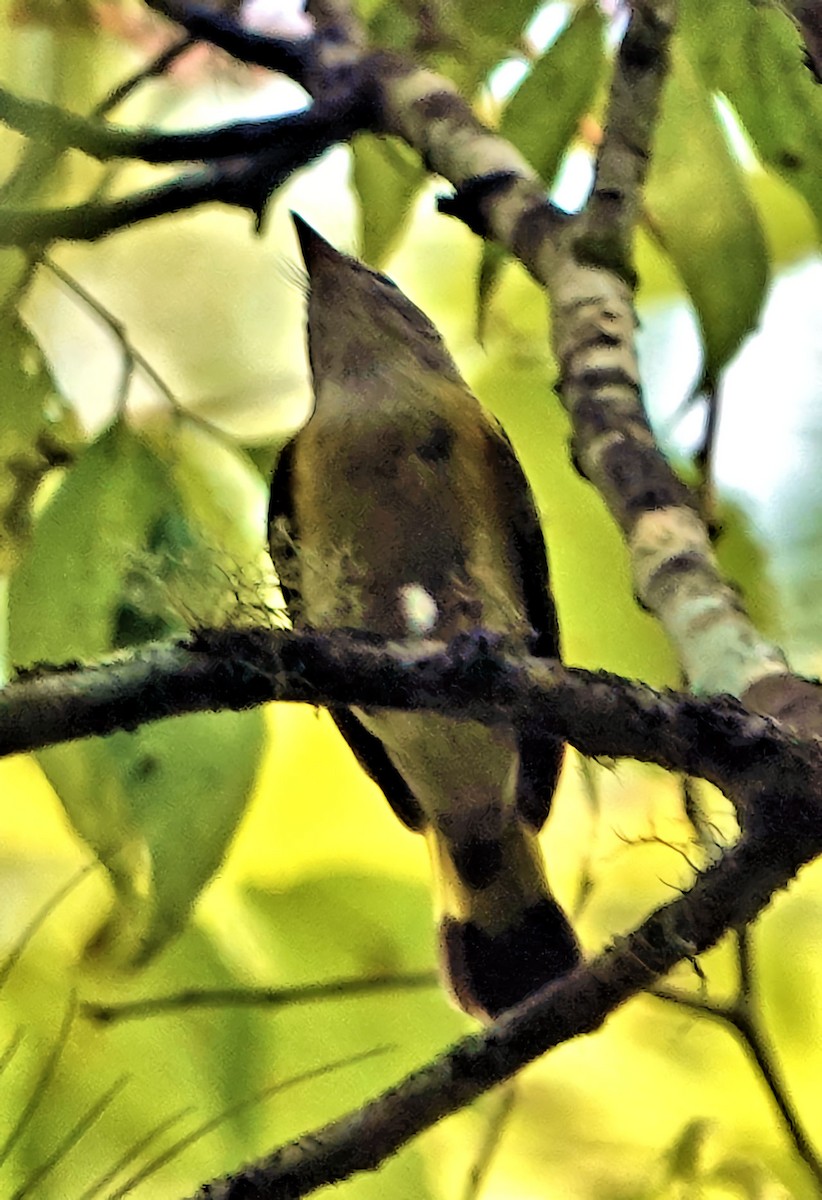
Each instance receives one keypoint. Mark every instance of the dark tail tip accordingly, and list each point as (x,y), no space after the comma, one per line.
(490,973)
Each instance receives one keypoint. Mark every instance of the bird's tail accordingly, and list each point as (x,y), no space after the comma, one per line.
(502,934)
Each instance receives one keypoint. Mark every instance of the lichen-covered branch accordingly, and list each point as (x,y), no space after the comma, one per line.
(591,285)
(641,67)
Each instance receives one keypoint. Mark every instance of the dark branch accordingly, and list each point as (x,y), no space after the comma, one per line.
(730,894)
(151,70)
(743,1016)
(96,219)
(241,182)
(748,756)
(291,56)
(291,133)
(277,997)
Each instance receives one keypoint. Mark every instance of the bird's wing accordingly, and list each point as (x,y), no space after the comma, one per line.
(540,755)
(373,758)
(281,532)
(365,746)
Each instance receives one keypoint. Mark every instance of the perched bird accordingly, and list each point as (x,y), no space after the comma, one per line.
(400,509)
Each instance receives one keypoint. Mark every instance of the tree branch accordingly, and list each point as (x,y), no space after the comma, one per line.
(274,997)
(97,219)
(747,756)
(742,1018)
(291,56)
(729,894)
(151,70)
(624,155)
(289,134)
(589,278)
(243,182)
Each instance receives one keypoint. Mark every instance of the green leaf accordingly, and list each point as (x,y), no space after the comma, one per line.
(38,431)
(137,542)
(353,925)
(685,1155)
(502,21)
(386,177)
(753,54)
(543,115)
(461,40)
(492,262)
(699,209)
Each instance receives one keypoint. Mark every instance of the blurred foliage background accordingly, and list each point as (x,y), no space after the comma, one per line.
(148,381)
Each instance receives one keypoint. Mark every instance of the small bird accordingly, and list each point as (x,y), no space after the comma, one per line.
(400,510)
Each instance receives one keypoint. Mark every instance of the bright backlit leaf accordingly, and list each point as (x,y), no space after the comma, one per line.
(37,433)
(386,177)
(135,545)
(543,116)
(753,54)
(699,209)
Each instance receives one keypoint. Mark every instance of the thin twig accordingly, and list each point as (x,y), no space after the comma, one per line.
(150,70)
(705,455)
(292,56)
(42,1083)
(156,67)
(707,835)
(335,989)
(274,1089)
(287,133)
(70,1140)
(37,921)
(497,1123)
(131,355)
(133,1152)
(741,1015)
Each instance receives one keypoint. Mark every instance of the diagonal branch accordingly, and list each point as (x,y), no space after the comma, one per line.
(731,893)
(291,56)
(742,1016)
